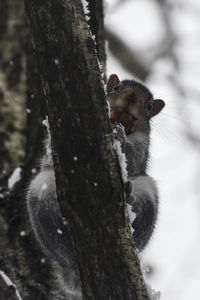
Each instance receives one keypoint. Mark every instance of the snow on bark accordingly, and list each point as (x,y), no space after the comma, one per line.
(122,160)
(153,295)
(85,7)
(9,283)
(15,177)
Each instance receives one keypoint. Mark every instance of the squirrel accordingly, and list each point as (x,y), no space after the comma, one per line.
(132,105)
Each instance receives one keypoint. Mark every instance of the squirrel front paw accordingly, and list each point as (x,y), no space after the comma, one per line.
(119,133)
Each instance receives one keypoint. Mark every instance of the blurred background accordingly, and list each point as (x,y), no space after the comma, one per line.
(158,42)
(155,41)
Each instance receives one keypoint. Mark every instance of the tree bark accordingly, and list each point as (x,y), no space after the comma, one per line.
(20,256)
(89,187)
(96,22)
(12,87)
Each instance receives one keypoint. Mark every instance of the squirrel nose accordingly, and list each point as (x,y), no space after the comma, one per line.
(134,114)
(134,118)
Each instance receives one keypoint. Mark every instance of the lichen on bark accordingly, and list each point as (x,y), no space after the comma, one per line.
(12,88)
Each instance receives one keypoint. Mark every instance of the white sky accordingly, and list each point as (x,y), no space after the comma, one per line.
(174,252)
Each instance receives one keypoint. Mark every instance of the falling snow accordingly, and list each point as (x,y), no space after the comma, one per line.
(15,177)
(59,231)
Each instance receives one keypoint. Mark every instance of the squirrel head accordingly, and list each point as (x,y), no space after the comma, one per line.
(131,104)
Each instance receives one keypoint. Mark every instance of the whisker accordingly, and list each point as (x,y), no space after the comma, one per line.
(159,132)
(173,117)
(167,134)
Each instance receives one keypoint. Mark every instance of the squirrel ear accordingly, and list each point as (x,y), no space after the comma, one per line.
(112,81)
(158,105)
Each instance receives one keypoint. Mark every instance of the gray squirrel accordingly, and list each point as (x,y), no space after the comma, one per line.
(131,105)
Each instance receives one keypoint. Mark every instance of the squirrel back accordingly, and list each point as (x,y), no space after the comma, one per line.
(50,227)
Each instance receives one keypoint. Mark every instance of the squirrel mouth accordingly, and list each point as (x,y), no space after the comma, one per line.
(126,119)
(129,130)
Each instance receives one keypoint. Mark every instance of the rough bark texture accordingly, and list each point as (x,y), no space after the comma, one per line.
(36,112)
(12,87)
(90,189)
(20,256)
(7,292)
(96,22)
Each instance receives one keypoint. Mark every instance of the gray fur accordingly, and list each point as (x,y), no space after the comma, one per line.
(142,194)
(50,228)
(47,221)
(144,201)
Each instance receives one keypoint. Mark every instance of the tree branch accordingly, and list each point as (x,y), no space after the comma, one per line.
(96,22)
(126,57)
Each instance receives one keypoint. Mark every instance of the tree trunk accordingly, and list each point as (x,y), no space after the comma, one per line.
(89,187)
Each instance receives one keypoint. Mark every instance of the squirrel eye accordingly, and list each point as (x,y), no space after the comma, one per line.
(116,87)
(149,107)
